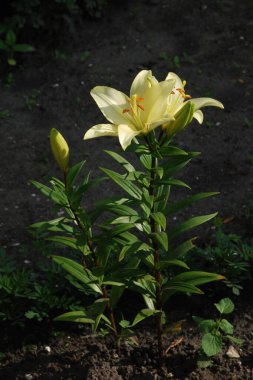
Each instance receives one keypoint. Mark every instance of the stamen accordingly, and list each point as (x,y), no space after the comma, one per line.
(125,110)
(182,92)
(141,107)
(140,99)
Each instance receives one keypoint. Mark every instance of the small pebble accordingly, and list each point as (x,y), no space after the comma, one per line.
(48,349)
(28,376)
(232,353)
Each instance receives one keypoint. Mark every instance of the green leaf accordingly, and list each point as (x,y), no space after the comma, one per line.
(133,248)
(121,160)
(159,218)
(234,340)
(225,306)
(115,294)
(78,271)
(174,182)
(145,286)
(113,283)
(58,225)
(77,195)
(211,344)
(143,314)
(23,48)
(182,249)
(124,323)
(10,38)
(119,229)
(114,206)
(176,163)
(74,316)
(146,160)
(149,301)
(56,196)
(162,197)
(198,277)
(190,223)
(162,238)
(177,206)
(172,151)
(73,173)
(12,61)
(206,325)
(126,219)
(126,185)
(166,263)
(191,278)
(65,240)
(226,327)
(177,286)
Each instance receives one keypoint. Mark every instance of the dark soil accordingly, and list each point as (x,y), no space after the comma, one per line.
(77,355)
(213,40)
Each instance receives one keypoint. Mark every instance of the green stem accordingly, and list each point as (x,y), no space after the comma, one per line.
(96,263)
(157,272)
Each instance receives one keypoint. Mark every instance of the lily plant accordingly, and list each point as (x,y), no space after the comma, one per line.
(132,248)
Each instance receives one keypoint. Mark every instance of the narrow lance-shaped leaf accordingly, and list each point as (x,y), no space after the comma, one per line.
(73,173)
(143,314)
(159,218)
(121,160)
(77,271)
(74,316)
(173,182)
(192,278)
(190,223)
(177,206)
(162,238)
(181,249)
(128,186)
(56,196)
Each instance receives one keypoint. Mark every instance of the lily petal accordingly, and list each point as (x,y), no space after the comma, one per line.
(198,115)
(156,101)
(178,82)
(112,103)
(126,135)
(205,102)
(158,123)
(101,130)
(141,83)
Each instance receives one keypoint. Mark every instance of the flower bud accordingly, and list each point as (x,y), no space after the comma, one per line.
(182,118)
(60,149)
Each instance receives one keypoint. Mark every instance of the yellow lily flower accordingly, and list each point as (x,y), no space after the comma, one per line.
(177,103)
(137,114)
(60,149)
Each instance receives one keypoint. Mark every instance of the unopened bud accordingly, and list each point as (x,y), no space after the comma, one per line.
(60,149)
(182,118)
